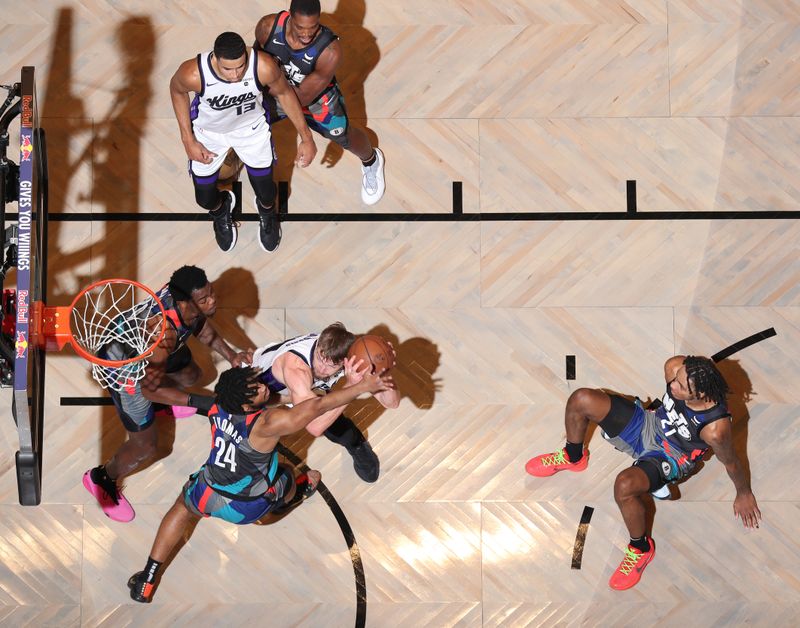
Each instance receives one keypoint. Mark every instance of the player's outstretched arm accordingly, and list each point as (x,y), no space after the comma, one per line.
(719,435)
(209,337)
(270,75)
(185,80)
(284,421)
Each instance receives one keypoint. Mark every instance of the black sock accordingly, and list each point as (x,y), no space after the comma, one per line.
(151,570)
(371,160)
(574,451)
(345,433)
(224,207)
(99,475)
(642,544)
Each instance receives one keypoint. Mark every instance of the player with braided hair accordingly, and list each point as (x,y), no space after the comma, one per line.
(241,481)
(705,379)
(236,388)
(666,443)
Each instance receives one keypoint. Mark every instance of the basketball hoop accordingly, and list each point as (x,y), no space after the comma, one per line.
(115,324)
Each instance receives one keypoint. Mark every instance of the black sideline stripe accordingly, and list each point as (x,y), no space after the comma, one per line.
(349,537)
(743,344)
(87,401)
(580,539)
(631,189)
(458,201)
(237,192)
(570,367)
(430,217)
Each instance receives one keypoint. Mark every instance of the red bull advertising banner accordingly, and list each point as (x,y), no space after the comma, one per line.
(22,335)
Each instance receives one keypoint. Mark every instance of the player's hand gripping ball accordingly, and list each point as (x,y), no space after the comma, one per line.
(374,351)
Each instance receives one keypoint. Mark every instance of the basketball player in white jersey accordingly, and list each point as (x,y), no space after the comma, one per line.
(227,112)
(305,366)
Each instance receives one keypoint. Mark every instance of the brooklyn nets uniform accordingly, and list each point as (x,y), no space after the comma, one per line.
(135,411)
(668,437)
(326,113)
(237,483)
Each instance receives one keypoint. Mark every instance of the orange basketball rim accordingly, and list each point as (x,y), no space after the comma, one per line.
(107,311)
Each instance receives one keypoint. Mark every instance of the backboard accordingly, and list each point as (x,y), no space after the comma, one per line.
(29,359)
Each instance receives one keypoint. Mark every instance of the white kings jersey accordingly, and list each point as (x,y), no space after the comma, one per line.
(222,106)
(303,347)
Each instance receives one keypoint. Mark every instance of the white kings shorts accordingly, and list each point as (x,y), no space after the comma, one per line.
(253,145)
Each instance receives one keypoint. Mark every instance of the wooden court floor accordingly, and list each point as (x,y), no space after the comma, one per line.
(535,107)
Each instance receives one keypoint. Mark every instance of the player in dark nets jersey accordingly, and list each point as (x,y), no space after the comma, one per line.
(241,480)
(666,443)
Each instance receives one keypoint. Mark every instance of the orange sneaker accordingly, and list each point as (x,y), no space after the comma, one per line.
(547,464)
(630,569)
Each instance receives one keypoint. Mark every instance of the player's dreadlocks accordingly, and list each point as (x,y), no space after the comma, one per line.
(236,387)
(705,380)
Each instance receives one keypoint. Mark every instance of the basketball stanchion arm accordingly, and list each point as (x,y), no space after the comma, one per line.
(51,331)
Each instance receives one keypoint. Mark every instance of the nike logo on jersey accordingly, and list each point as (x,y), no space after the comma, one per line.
(210,84)
(280,43)
(307,58)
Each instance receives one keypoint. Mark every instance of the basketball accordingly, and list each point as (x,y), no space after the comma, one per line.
(373,350)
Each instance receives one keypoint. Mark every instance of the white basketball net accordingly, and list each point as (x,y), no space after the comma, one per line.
(109,318)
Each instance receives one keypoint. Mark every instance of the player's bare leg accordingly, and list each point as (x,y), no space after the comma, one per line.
(170,533)
(584,405)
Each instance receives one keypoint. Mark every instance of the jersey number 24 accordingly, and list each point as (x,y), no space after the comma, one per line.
(226,454)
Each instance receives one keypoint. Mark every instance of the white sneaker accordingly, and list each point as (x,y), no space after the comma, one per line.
(662,493)
(373,184)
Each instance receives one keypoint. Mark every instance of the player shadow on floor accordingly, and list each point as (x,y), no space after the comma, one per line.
(108,149)
(361,55)
(113,434)
(417,362)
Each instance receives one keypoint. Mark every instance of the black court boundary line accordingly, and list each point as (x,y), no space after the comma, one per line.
(349,537)
(630,189)
(570,367)
(743,344)
(437,217)
(580,538)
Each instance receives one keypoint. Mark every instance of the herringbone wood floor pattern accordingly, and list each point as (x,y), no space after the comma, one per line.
(535,106)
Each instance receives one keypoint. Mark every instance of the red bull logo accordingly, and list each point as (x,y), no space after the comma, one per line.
(26,148)
(21,344)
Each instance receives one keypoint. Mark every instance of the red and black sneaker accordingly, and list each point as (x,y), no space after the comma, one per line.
(141,589)
(545,465)
(632,566)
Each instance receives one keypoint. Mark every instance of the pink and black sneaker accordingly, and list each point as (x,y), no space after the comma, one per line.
(108,495)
